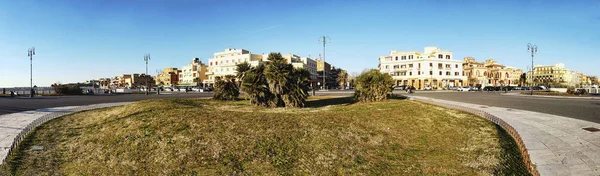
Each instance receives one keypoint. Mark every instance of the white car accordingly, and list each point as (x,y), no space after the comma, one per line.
(466,88)
(427,88)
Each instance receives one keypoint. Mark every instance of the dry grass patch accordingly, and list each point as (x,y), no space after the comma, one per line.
(204,137)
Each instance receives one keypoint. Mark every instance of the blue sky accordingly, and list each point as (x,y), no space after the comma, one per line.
(80,40)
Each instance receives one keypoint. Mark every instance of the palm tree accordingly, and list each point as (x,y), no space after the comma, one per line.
(342,78)
(241,71)
(473,80)
(277,73)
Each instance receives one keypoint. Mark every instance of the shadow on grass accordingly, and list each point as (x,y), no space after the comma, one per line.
(329,101)
(511,161)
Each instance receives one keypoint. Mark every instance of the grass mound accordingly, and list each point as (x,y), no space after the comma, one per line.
(204,137)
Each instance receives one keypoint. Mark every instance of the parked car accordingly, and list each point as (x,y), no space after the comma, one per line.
(489,88)
(427,88)
(402,87)
(195,89)
(525,88)
(452,88)
(462,89)
(474,89)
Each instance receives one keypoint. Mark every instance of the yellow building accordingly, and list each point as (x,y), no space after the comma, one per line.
(555,76)
(490,73)
(168,77)
(433,68)
(193,74)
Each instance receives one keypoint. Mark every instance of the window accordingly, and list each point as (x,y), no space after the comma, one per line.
(456,73)
(210,63)
(410,73)
(403,57)
(410,65)
(447,65)
(410,57)
(419,65)
(456,66)
(439,66)
(440,56)
(430,72)
(387,67)
(447,73)
(447,56)
(430,64)
(419,73)
(440,72)
(396,57)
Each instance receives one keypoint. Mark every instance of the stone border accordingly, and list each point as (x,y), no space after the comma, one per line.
(508,128)
(45,118)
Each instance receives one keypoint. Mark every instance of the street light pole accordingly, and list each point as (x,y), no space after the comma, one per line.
(324,40)
(30,53)
(533,49)
(147,58)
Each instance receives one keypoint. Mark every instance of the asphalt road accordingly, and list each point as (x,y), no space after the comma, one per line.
(584,109)
(12,105)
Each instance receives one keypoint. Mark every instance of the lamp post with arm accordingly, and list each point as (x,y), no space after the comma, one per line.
(533,49)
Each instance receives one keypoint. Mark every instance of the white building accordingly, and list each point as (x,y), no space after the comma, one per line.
(433,67)
(303,62)
(224,63)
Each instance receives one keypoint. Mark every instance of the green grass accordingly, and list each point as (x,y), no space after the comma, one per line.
(331,137)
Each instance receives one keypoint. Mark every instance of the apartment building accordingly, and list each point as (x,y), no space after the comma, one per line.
(224,63)
(490,73)
(433,67)
(193,74)
(132,81)
(554,75)
(303,62)
(168,77)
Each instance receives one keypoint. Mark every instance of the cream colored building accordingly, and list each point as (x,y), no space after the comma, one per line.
(490,73)
(303,62)
(224,63)
(433,67)
(555,75)
(191,72)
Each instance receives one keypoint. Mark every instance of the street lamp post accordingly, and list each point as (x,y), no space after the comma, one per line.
(324,40)
(30,53)
(533,49)
(147,58)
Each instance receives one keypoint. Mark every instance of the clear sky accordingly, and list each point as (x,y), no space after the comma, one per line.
(78,40)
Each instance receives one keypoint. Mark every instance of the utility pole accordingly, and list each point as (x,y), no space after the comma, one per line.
(533,49)
(324,40)
(147,58)
(30,53)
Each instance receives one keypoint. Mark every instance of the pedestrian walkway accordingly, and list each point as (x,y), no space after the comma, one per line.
(14,127)
(556,145)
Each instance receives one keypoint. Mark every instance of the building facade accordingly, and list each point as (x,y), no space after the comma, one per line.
(490,73)
(303,62)
(433,67)
(193,74)
(169,77)
(132,81)
(554,76)
(224,63)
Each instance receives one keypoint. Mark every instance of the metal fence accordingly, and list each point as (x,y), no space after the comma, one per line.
(508,128)
(37,122)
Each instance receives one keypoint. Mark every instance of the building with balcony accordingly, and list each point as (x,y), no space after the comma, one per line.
(132,81)
(554,76)
(193,74)
(490,73)
(303,62)
(169,77)
(433,67)
(224,63)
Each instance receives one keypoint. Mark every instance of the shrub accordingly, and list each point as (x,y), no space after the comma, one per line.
(276,84)
(226,89)
(372,85)
(67,89)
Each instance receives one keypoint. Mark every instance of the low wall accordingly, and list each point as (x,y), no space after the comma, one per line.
(564,90)
(509,129)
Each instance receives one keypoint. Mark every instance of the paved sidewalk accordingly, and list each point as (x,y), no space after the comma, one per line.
(557,145)
(13,124)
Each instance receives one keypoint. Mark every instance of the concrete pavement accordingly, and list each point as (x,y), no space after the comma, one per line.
(15,126)
(556,145)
